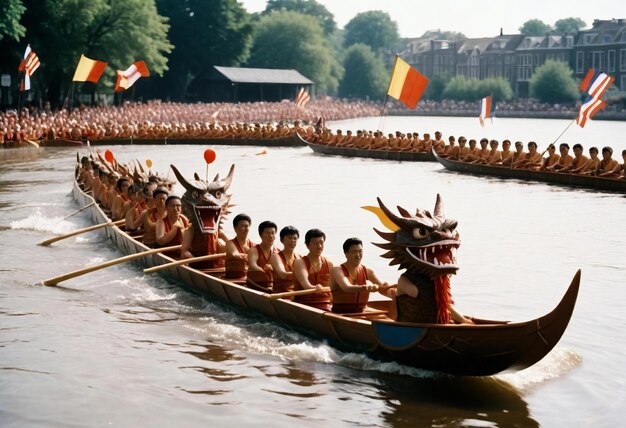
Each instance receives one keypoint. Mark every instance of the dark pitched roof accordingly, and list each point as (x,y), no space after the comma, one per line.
(263,75)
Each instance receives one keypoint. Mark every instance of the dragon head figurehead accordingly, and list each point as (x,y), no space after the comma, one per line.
(205,203)
(424,244)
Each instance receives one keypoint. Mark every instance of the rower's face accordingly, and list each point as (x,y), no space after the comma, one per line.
(355,254)
(290,242)
(268,235)
(606,155)
(316,246)
(578,151)
(593,154)
(174,207)
(242,228)
(159,200)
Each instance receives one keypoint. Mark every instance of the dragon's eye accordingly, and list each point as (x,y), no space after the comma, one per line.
(218,194)
(195,194)
(420,233)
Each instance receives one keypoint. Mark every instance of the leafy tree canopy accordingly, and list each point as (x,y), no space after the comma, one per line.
(464,89)
(10,14)
(535,27)
(306,7)
(553,83)
(374,28)
(445,35)
(365,75)
(285,39)
(569,25)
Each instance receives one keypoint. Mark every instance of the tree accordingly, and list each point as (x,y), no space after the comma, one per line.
(116,31)
(305,7)
(464,89)
(10,14)
(569,25)
(498,87)
(365,75)
(374,28)
(285,39)
(535,27)
(436,86)
(553,83)
(204,34)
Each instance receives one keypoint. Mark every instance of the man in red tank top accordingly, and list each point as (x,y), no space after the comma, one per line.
(169,229)
(352,281)
(259,267)
(282,262)
(237,248)
(313,271)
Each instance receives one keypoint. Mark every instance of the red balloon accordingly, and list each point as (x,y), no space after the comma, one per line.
(108,155)
(209,156)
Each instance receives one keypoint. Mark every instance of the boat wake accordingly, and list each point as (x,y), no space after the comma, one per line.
(40,223)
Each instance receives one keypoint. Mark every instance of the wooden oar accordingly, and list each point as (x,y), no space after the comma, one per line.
(295,293)
(184,262)
(77,211)
(57,279)
(79,231)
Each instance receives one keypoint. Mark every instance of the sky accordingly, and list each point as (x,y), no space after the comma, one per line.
(474,18)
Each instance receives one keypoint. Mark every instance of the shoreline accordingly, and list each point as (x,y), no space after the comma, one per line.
(612,116)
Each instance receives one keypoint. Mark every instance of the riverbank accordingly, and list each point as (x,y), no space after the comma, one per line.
(608,115)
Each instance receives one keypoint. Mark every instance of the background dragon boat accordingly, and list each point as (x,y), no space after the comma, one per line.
(287,141)
(575,180)
(485,348)
(353,152)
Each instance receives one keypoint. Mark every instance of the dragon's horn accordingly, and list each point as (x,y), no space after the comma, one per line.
(196,176)
(438,212)
(383,216)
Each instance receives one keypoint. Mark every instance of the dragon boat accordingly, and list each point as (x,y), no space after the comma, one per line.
(423,243)
(354,152)
(287,141)
(566,179)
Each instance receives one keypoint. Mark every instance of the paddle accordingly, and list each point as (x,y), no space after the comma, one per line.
(184,262)
(57,279)
(79,210)
(295,293)
(78,232)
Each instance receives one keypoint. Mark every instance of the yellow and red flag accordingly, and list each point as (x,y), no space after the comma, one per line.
(126,78)
(88,70)
(407,85)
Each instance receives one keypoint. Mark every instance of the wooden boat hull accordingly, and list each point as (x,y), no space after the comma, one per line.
(288,141)
(487,348)
(565,179)
(372,154)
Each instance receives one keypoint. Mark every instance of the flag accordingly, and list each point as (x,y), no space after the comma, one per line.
(126,78)
(303,97)
(88,70)
(407,85)
(596,84)
(28,65)
(589,108)
(486,109)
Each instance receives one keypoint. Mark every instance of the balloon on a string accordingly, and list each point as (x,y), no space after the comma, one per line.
(209,156)
(108,155)
(148,163)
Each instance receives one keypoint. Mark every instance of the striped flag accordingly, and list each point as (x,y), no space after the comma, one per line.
(486,109)
(589,108)
(88,70)
(596,84)
(126,78)
(303,97)
(406,85)
(28,65)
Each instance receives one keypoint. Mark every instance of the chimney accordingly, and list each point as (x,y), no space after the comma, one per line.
(501,31)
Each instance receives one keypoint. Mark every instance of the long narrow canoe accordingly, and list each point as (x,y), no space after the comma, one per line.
(575,180)
(288,141)
(367,153)
(483,349)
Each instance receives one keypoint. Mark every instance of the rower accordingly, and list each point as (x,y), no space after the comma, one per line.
(463,149)
(121,200)
(352,281)
(169,229)
(532,159)
(451,150)
(282,262)
(483,152)
(439,144)
(472,153)
(551,160)
(150,217)
(579,162)
(237,248)
(259,268)
(313,272)
(506,153)
(609,167)
(519,155)
(565,159)
(591,167)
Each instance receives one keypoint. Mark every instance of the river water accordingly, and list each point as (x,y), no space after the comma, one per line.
(120,348)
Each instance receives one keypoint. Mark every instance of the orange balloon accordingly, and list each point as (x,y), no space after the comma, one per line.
(148,163)
(108,155)
(209,156)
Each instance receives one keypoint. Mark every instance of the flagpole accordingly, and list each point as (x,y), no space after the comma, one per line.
(382,113)
(566,128)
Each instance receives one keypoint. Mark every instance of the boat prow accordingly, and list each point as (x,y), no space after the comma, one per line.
(485,348)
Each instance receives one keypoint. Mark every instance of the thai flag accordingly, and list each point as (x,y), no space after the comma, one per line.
(589,108)
(486,109)
(596,84)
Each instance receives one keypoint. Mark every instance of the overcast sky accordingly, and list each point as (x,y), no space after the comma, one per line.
(474,18)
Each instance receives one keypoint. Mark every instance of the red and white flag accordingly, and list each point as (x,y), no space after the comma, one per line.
(596,84)
(126,78)
(486,109)
(303,97)
(28,65)
(588,110)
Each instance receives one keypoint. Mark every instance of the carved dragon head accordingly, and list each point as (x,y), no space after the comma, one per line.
(205,204)
(423,243)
